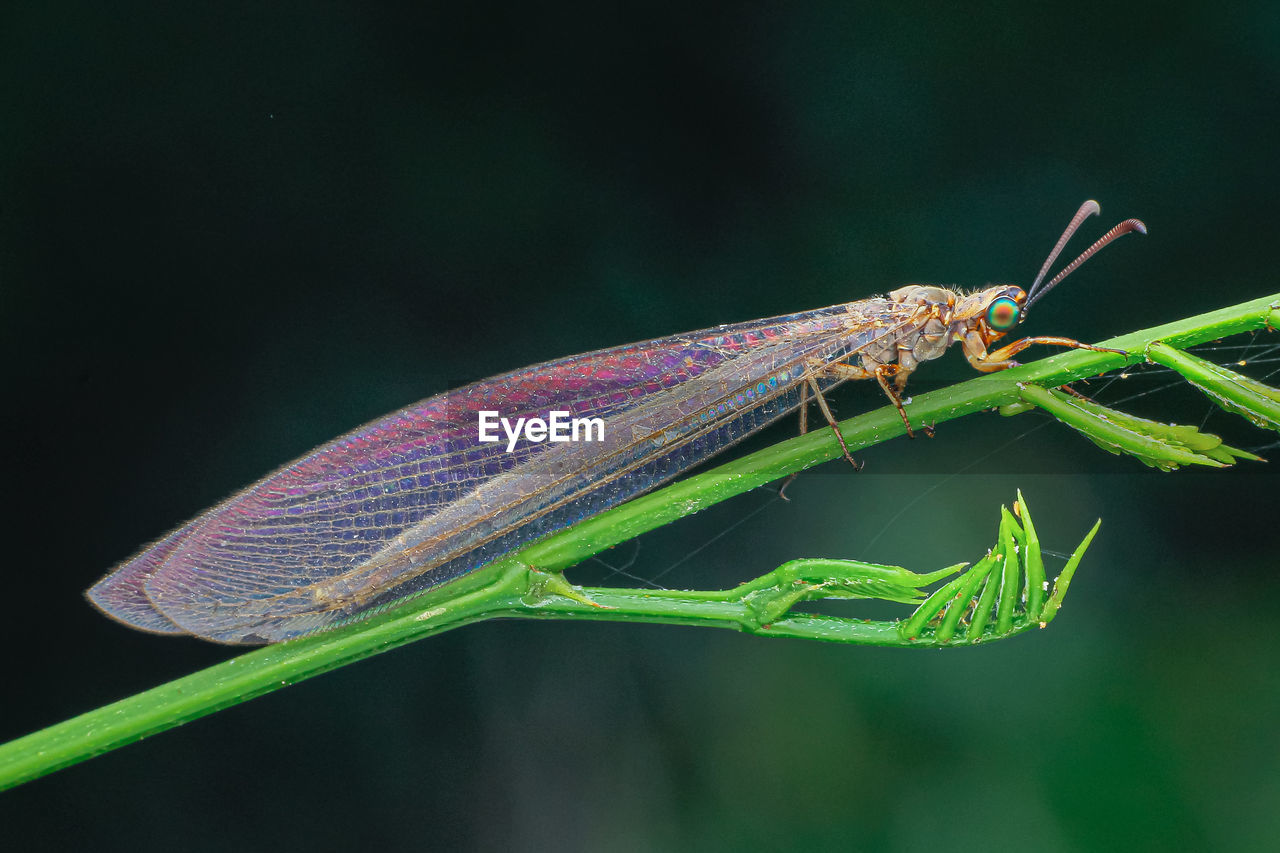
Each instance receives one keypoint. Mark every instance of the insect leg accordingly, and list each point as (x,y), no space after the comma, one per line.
(1002,359)
(1073,392)
(812,382)
(883,372)
(804,407)
(804,428)
(907,363)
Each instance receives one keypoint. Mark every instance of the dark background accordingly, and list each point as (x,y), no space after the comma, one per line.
(229,235)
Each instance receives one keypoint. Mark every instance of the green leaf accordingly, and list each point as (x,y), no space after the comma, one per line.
(1163,446)
(1235,393)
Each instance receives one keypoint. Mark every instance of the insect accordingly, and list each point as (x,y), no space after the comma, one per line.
(415,498)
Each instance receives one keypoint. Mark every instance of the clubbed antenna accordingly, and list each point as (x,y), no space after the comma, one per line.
(1089,208)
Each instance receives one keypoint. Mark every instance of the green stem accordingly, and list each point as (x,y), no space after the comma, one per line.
(984,392)
(507,587)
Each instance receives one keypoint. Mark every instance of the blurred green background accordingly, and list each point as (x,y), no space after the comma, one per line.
(228,234)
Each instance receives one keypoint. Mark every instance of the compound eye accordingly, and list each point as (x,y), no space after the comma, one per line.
(1003,314)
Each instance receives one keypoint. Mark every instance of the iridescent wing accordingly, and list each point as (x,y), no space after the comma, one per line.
(414,499)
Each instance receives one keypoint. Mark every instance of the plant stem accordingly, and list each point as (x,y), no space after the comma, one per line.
(504,588)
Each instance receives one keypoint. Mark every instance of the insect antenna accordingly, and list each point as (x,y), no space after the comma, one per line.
(1089,208)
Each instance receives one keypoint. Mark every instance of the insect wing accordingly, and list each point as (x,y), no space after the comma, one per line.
(414,499)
